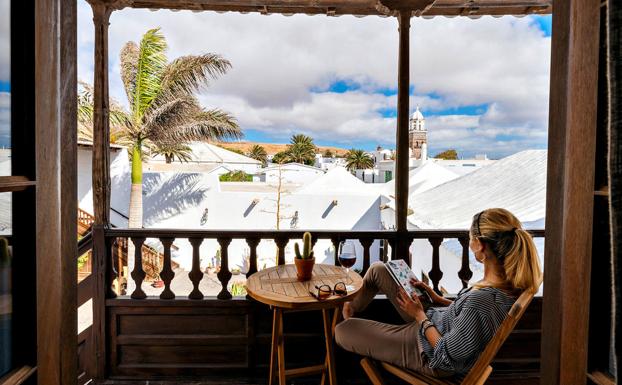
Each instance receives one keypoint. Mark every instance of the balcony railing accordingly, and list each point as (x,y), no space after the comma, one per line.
(281,238)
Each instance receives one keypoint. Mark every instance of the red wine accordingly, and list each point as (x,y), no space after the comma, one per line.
(347,260)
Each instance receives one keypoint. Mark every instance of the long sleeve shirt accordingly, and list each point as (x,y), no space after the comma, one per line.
(466,327)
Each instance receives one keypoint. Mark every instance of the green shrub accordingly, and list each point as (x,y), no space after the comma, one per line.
(236,176)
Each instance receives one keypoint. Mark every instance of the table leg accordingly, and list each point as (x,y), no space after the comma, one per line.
(330,354)
(281,350)
(336,319)
(275,342)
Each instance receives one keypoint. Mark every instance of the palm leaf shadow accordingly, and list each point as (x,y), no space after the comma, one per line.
(166,197)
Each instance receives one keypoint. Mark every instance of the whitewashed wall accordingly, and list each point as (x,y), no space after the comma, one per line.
(291,174)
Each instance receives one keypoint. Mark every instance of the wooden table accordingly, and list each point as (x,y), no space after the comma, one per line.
(279,288)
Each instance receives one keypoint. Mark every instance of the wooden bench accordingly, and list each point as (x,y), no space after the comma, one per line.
(478,374)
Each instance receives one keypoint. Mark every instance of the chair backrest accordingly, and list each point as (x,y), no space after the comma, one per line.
(508,324)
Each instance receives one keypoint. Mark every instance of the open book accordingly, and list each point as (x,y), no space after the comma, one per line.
(401,274)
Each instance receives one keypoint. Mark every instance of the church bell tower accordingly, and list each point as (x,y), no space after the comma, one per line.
(417,134)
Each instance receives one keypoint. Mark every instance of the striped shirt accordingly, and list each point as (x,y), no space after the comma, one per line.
(466,327)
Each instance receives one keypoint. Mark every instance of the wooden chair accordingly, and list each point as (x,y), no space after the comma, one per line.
(479,372)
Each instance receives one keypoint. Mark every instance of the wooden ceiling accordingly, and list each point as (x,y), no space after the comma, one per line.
(471,8)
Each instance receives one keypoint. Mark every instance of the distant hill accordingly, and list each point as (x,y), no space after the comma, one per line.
(273,148)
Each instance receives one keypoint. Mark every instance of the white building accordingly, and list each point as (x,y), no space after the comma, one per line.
(207,157)
(328,163)
(289,173)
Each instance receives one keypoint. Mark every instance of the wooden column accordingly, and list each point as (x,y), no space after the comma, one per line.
(570,183)
(56,201)
(402,151)
(101,184)
(101,124)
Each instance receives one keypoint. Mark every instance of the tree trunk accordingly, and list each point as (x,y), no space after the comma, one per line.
(136,208)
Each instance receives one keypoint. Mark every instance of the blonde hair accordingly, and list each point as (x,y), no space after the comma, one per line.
(513,247)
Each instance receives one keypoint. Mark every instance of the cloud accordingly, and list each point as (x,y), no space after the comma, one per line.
(282,64)
(5,41)
(337,117)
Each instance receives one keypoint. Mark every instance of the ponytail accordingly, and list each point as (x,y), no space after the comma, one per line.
(521,263)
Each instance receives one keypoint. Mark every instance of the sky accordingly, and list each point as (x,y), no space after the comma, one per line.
(482,84)
(5,74)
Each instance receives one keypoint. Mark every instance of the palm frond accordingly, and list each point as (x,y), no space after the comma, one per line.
(129,68)
(172,150)
(358,159)
(259,153)
(150,67)
(118,117)
(170,114)
(187,74)
(205,126)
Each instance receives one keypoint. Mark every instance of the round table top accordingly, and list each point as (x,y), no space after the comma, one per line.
(278,286)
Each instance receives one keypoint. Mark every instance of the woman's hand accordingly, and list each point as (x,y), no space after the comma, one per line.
(437,299)
(410,305)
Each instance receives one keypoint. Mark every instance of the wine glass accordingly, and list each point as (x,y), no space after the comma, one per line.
(347,256)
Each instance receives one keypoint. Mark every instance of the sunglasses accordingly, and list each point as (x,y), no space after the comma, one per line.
(325,291)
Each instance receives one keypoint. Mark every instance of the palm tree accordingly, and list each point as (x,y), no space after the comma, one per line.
(358,160)
(172,150)
(302,139)
(301,149)
(281,157)
(163,108)
(259,153)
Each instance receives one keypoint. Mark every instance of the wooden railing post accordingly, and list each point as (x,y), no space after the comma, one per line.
(366,243)
(336,241)
(280,244)
(101,289)
(252,262)
(224,275)
(167,273)
(196,275)
(436,273)
(465,272)
(138,273)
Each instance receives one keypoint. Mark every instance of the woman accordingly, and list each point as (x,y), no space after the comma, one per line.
(447,339)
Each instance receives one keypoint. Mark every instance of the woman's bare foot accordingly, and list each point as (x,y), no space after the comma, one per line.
(347,310)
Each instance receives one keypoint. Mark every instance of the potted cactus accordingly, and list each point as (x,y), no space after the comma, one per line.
(305,260)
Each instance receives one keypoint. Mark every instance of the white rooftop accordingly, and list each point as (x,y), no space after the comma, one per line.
(338,180)
(517,183)
(423,178)
(209,153)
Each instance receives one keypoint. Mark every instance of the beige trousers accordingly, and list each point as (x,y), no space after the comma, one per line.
(396,344)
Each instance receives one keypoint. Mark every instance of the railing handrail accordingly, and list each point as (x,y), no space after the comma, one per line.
(85,243)
(321,234)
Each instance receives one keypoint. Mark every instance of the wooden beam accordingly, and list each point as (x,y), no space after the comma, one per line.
(56,227)
(570,184)
(354,7)
(402,153)
(15,183)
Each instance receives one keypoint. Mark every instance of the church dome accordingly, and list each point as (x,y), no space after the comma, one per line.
(417,115)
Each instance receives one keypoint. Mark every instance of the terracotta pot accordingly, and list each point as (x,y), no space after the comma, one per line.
(304,268)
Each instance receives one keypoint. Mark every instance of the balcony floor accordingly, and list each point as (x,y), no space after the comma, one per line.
(310,381)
